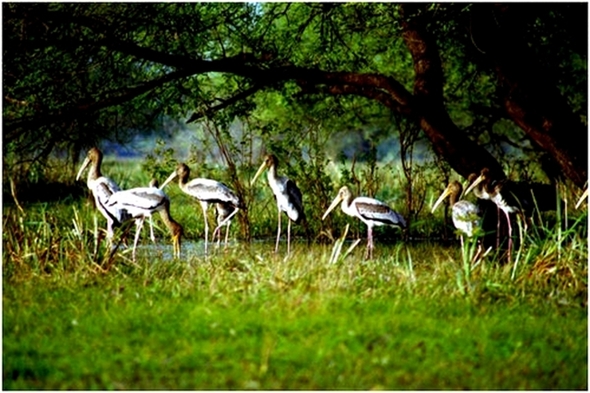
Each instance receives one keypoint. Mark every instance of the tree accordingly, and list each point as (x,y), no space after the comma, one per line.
(76,73)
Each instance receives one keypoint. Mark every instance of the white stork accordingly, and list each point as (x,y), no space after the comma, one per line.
(102,188)
(465,214)
(206,191)
(370,211)
(142,202)
(287,194)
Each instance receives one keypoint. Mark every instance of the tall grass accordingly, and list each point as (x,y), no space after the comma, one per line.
(420,315)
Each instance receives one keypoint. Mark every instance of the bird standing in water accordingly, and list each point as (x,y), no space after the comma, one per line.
(519,198)
(102,188)
(206,191)
(287,194)
(370,211)
(142,202)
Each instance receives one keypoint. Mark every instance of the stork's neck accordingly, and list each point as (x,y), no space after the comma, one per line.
(94,171)
(454,198)
(346,205)
(168,220)
(183,179)
(271,175)
(481,192)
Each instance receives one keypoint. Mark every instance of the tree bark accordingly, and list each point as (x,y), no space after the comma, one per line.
(463,155)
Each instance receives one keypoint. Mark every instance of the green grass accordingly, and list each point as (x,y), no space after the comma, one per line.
(251,320)
(420,315)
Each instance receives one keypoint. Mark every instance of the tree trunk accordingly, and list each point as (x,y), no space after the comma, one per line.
(463,155)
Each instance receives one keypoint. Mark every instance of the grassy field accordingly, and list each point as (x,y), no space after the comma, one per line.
(413,318)
(419,315)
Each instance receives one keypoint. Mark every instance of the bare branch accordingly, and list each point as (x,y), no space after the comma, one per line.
(82,109)
(225,103)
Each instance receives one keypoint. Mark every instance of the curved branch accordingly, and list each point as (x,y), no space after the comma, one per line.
(224,104)
(82,109)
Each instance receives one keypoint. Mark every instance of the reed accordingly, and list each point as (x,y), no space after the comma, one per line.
(422,314)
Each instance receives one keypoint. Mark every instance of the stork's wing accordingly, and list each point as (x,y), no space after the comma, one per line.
(146,199)
(375,210)
(295,200)
(102,192)
(211,191)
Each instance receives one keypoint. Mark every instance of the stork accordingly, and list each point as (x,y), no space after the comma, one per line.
(465,214)
(287,194)
(370,211)
(102,188)
(142,202)
(206,191)
(502,194)
(481,192)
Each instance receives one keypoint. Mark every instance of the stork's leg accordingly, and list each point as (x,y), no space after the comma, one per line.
(226,235)
(110,234)
(216,233)
(372,243)
(509,236)
(498,227)
(204,206)
(369,253)
(278,232)
(139,225)
(152,237)
(288,236)
(224,222)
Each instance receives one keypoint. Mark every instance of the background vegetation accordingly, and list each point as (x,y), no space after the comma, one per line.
(78,74)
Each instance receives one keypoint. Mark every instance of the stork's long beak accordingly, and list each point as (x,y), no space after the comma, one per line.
(170,178)
(441,198)
(475,183)
(84,165)
(584,196)
(258,173)
(335,203)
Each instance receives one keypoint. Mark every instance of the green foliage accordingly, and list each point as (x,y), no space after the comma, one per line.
(161,162)
(249,319)
(77,74)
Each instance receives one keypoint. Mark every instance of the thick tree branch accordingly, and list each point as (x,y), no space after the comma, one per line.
(453,145)
(363,91)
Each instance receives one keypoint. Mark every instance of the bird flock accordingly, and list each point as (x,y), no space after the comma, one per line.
(119,206)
